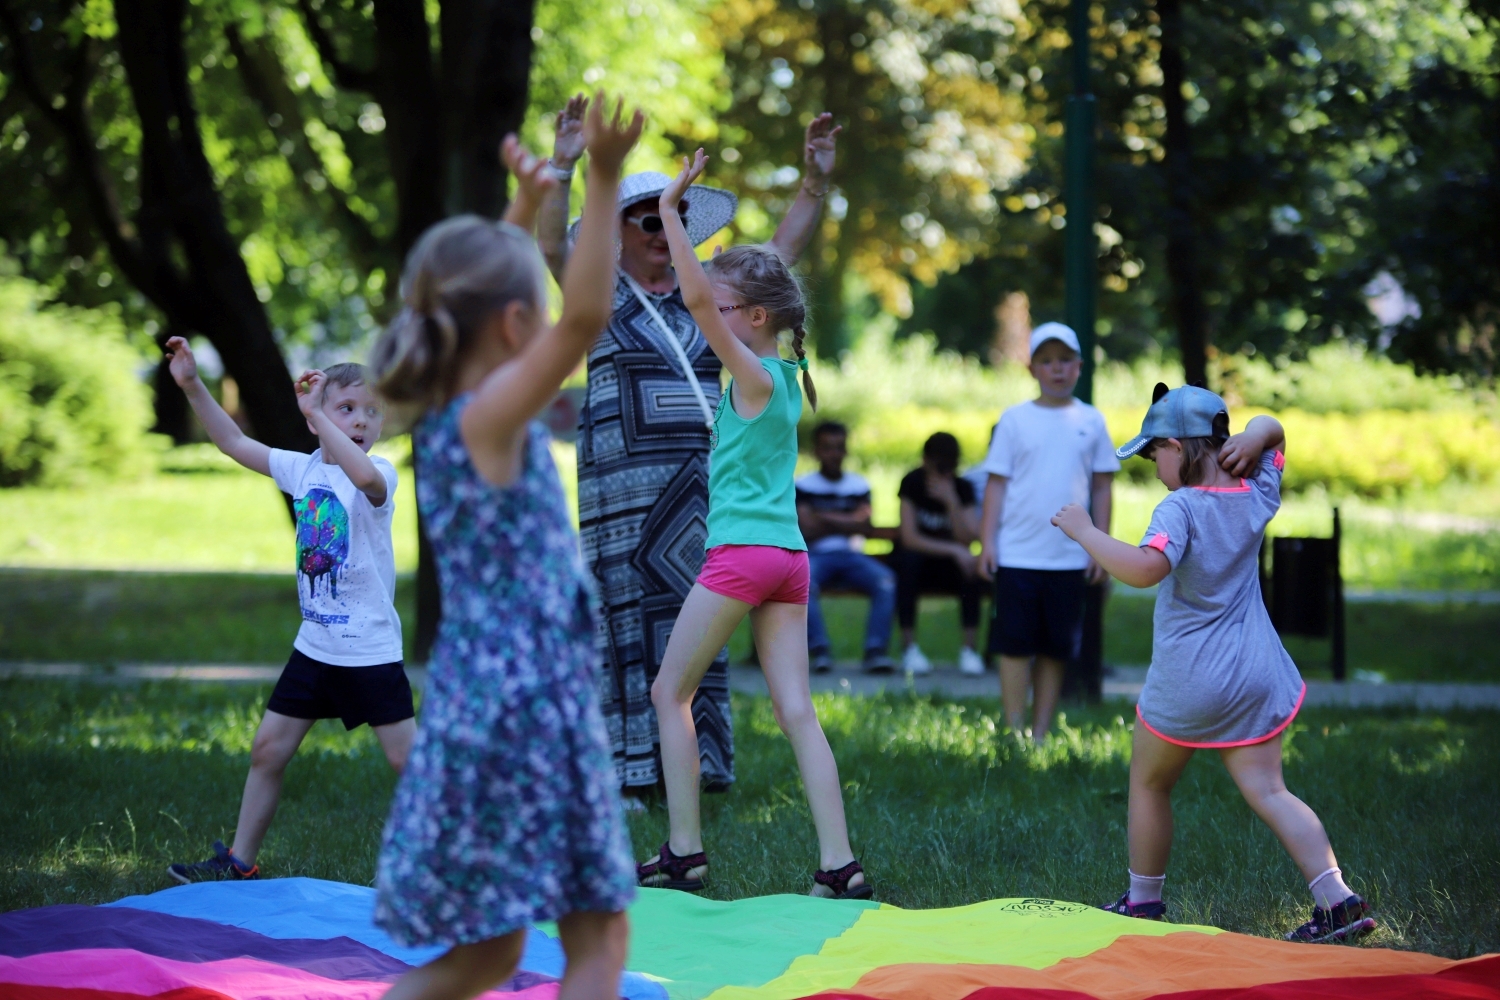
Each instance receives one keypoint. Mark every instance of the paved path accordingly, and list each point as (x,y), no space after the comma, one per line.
(1124,683)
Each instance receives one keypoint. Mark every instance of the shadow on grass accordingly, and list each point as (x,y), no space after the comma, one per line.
(106,785)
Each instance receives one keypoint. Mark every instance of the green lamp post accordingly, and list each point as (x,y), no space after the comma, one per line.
(1085,678)
(1081,269)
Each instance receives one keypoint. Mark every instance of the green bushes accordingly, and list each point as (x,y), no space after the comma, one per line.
(71,403)
(1356,423)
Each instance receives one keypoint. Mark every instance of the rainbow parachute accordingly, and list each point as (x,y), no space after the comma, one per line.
(305,939)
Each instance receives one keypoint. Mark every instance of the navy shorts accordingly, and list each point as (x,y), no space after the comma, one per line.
(310,689)
(1038,612)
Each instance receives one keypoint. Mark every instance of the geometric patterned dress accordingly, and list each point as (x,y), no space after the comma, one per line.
(643,519)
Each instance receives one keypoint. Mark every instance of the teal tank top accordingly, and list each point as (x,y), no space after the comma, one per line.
(751,499)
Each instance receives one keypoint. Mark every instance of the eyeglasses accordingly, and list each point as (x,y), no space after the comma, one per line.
(730,309)
(651,223)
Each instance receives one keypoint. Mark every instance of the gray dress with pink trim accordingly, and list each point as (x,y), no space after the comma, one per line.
(1219,675)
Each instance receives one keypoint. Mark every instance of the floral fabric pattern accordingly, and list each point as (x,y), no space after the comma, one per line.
(508,812)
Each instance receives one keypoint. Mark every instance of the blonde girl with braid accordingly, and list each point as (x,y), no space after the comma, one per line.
(757,561)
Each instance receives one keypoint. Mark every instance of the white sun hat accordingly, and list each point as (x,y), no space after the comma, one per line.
(709,209)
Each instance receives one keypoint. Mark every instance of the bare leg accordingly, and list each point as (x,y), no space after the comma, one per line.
(703,627)
(778,631)
(396,739)
(463,971)
(276,742)
(1015,675)
(1155,766)
(1047,681)
(595,944)
(1256,769)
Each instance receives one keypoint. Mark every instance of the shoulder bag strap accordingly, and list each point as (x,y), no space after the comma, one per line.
(682,358)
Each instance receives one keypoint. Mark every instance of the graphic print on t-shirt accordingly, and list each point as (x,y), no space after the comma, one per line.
(322,539)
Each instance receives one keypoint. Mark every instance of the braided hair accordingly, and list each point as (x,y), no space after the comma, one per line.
(762,277)
(457,274)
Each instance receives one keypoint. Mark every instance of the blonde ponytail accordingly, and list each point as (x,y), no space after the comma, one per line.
(456,275)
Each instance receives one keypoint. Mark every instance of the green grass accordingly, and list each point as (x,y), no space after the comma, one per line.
(107,617)
(105,785)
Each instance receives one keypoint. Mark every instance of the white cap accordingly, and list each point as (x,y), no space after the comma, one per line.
(1055,331)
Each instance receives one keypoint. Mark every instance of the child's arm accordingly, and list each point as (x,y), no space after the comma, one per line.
(754,381)
(1240,455)
(1130,564)
(358,466)
(533,181)
(222,429)
(517,389)
(989,525)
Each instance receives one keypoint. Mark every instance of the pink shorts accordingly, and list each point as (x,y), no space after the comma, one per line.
(756,574)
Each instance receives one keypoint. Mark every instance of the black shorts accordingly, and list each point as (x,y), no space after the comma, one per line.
(309,689)
(1038,612)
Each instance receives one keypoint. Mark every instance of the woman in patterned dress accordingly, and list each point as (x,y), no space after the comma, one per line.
(507,813)
(643,448)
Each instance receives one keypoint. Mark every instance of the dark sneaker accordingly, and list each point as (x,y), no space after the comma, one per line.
(820,663)
(1349,920)
(221,866)
(879,663)
(1145,911)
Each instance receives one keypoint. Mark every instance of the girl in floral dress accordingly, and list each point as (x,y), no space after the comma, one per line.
(507,814)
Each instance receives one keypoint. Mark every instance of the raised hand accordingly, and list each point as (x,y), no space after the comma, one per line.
(183,366)
(818,153)
(532,176)
(310,386)
(673,192)
(609,142)
(568,145)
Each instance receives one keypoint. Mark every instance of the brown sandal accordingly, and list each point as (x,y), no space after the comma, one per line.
(835,885)
(669,871)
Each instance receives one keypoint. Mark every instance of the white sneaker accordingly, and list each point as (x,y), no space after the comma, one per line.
(970,662)
(914,661)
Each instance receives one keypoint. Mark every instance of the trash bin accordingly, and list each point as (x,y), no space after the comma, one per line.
(1304,590)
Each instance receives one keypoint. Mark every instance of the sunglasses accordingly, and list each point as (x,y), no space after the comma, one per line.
(651,222)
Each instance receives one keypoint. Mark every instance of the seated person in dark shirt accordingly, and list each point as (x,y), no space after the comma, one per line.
(939,518)
(833,510)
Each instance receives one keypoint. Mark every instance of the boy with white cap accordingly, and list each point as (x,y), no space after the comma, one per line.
(1045,454)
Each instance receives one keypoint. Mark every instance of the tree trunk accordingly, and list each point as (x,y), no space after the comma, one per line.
(1181,230)
(443,138)
(181,220)
(408,93)
(486,65)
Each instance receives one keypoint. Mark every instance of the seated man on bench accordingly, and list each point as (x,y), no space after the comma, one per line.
(833,510)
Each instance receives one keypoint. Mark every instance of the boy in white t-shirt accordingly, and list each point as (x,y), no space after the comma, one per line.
(1050,451)
(346,660)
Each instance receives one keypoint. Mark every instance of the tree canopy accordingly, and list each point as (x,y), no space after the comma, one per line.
(254,171)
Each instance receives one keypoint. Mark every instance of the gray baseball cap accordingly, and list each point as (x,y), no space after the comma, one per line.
(1184,412)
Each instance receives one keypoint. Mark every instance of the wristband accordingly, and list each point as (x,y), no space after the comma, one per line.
(816,194)
(559,172)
